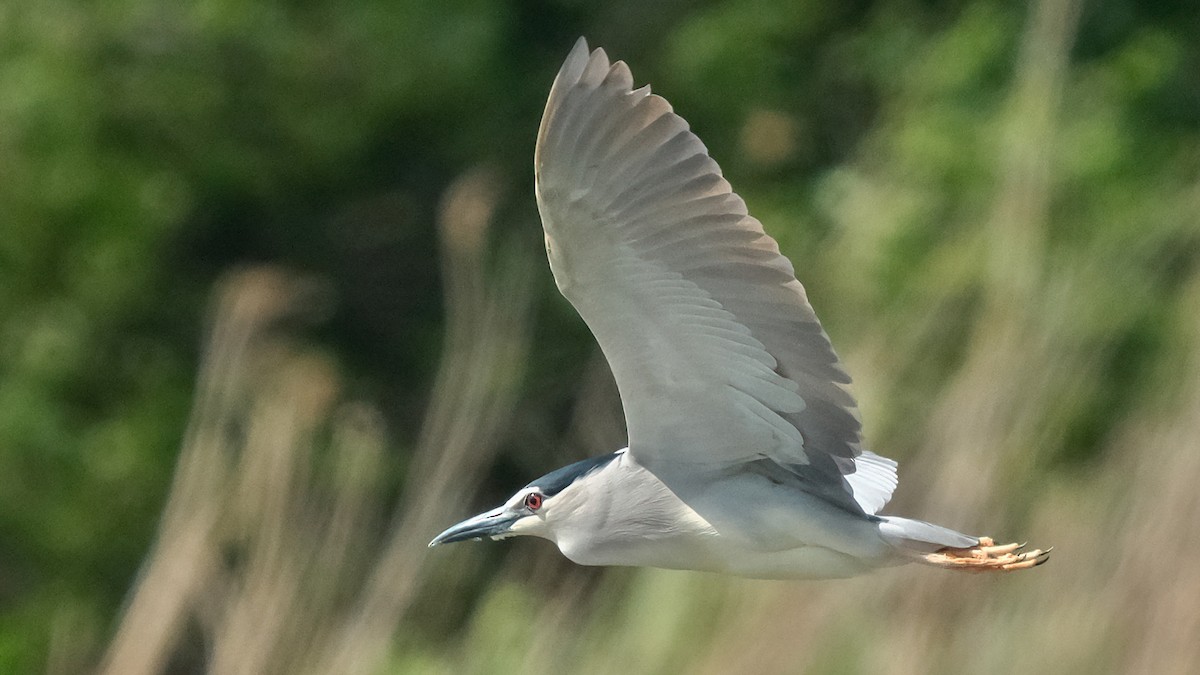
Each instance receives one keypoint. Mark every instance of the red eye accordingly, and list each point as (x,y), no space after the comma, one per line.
(533,501)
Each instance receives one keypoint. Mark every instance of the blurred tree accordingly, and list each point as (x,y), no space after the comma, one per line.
(146,147)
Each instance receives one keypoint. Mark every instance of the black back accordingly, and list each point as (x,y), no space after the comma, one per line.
(554,482)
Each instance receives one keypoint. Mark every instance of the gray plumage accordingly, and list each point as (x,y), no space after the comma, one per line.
(745,448)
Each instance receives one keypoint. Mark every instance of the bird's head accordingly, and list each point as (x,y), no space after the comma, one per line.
(532,510)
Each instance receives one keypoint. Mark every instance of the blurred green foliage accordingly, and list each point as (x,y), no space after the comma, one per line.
(145,147)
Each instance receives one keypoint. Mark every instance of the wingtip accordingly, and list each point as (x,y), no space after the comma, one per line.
(582,52)
(575,63)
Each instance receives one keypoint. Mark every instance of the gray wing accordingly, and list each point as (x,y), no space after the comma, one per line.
(717,354)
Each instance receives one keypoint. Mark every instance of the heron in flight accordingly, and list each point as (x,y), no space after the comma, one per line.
(745,452)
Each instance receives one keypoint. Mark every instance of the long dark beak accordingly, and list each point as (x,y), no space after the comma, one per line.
(494,524)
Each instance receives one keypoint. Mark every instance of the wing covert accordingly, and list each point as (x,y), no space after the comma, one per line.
(716,351)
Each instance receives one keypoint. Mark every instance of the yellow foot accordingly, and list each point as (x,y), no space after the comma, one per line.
(987,557)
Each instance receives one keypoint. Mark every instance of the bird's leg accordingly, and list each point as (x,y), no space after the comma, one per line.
(986,557)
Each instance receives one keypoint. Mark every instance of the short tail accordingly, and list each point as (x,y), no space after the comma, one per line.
(942,547)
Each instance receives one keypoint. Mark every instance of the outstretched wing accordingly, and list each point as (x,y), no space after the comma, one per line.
(717,354)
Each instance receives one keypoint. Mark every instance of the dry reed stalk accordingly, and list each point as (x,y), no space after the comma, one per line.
(488,317)
(186,559)
(264,546)
(1154,609)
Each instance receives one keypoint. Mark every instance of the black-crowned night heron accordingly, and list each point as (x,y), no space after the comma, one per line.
(745,450)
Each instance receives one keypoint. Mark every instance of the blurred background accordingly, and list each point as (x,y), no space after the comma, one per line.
(274,311)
